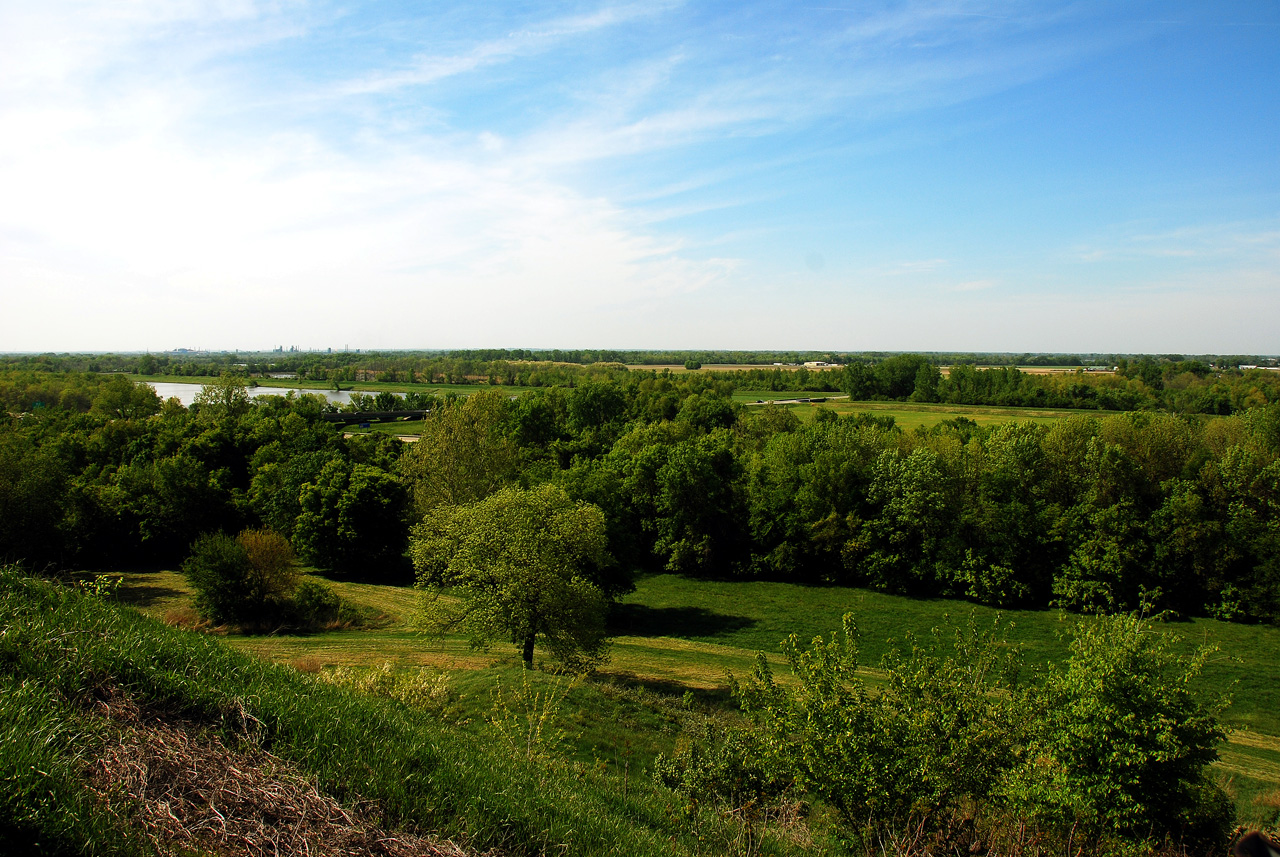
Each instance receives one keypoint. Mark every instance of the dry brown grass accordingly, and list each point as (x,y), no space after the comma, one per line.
(187,791)
(308,664)
(187,618)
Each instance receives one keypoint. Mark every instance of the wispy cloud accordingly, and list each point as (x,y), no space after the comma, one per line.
(427,68)
(1242,241)
(351,167)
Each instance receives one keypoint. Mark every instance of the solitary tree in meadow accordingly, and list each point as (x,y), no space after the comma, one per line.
(520,564)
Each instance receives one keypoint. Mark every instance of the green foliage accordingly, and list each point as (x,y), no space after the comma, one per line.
(222,576)
(525,565)
(351,518)
(316,604)
(943,731)
(528,717)
(228,396)
(1120,741)
(124,399)
(1089,514)
(247,580)
(715,764)
(101,585)
(464,453)
(1111,747)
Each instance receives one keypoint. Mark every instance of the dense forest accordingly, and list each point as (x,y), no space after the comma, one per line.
(1114,511)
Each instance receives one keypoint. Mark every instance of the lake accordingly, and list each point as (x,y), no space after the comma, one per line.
(186,393)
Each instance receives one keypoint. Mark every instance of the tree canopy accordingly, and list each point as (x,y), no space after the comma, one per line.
(522,564)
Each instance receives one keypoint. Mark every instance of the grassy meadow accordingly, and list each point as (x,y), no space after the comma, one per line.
(678,639)
(907,415)
(88,685)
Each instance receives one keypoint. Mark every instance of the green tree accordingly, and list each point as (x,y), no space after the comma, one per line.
(1122,742)
(465,453)
(122,398)
(228,396)
(909,541)
(522,564)
(352,519)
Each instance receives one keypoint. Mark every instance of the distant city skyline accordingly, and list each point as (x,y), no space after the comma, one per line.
(938,176)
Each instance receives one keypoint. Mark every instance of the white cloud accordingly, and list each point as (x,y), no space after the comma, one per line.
(119,219)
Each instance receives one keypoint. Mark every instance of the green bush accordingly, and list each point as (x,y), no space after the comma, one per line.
(1121,743)
(315,604)
(1110,750)
(244,581)
(723,766)
(220,571)
(943,731)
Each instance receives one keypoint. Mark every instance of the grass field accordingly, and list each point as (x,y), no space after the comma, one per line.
(171,721)
(910,415)
(676,635)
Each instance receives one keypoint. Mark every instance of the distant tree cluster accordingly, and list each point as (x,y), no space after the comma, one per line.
(1207,384)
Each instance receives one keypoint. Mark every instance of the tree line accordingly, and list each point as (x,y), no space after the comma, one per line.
(110,476)
(1106,512)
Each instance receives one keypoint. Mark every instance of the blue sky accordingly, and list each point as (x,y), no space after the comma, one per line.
(1018,176)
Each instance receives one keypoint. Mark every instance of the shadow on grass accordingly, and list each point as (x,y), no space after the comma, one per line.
(146,594)
(717,697)
(641,620)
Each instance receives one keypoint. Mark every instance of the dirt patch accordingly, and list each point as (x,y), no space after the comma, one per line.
(186,790)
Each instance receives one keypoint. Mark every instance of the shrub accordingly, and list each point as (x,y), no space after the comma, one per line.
(943,730)
(722,766)
(1110,751)
(273,564)
(219,569)
(245,580)
(1121,743)
(316,604)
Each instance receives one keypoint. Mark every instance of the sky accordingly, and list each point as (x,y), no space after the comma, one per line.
(1082,177)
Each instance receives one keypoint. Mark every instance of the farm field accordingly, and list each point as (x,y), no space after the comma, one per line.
(710,367)
(678,636)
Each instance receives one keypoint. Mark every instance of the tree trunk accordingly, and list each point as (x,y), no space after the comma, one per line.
(528,652)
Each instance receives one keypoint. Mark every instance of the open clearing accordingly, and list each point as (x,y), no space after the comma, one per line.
(676,635)
(908,415)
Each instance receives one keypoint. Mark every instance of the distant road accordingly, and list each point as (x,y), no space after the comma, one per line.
(407,438)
